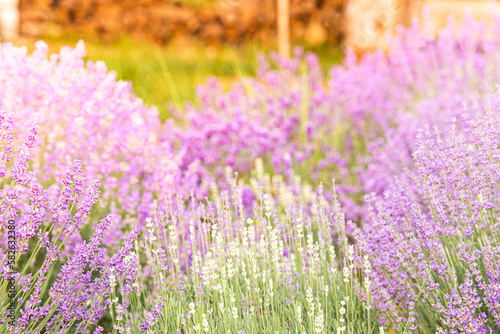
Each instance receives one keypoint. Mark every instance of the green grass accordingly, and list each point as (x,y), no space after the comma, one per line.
(168,76)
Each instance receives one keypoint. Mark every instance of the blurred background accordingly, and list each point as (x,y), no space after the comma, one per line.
(167,47)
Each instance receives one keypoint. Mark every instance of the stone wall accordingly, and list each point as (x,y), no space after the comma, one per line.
(367,22)
(234,21)
(361,24)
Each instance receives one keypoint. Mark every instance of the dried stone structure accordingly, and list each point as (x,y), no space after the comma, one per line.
(315,21)
(363,24)
(367,22)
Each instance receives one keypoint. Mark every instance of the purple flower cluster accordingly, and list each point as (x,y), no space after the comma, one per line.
(422,80)
(433,239)
(87,278)
(84,114)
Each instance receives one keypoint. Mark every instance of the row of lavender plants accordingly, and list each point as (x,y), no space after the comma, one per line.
(248,214)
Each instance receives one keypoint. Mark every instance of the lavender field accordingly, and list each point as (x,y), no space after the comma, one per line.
(367,201)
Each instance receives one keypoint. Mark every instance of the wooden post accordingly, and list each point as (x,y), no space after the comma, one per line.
(9,19)
(283,18)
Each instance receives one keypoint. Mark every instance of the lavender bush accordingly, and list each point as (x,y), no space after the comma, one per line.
(434,238)
(285,115)
(34,233)
(214,269)
(360,129)
(195,258)
(170,240)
